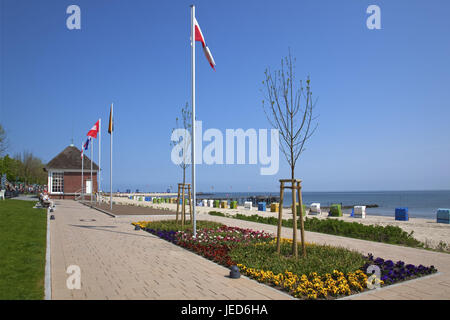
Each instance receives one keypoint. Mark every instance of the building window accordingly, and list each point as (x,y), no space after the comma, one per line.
(57,182)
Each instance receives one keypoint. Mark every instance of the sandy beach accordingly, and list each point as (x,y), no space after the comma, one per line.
(426,230)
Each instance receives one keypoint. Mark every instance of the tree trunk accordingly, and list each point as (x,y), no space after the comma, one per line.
(294,217)
(302,225)
(280,217)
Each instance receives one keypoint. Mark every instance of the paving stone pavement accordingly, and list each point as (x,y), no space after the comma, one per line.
(117,262)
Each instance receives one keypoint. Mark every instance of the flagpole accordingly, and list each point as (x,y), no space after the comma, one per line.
(194,224)
(92,156)
(82,171)
(100,156)
(110,168)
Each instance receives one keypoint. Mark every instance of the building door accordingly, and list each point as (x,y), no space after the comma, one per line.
(88,186)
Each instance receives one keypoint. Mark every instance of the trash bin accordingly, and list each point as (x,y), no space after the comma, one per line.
(335,210)
(401,214)
(443,216)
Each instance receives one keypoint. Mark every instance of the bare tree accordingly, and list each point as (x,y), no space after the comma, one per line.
(3,141)
(184,123)
(289,108)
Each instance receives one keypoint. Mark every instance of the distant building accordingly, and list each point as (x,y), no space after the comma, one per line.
(64,174)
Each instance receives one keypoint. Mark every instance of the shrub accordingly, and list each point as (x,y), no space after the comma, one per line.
(385,234)
(217,213)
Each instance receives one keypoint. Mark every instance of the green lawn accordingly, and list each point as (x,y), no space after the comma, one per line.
(22,250)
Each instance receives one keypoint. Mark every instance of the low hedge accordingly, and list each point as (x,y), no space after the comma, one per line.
(385,234)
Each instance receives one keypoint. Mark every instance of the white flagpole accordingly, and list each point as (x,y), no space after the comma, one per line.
(194,224)
(92,156)
(110,169)
(82,167)
(100,156)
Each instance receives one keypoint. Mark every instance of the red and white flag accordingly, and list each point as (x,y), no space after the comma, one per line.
(94,130)
(199,37)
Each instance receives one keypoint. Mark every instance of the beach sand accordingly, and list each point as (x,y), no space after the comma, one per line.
(427,231)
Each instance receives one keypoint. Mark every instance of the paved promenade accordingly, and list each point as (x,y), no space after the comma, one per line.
(118,262)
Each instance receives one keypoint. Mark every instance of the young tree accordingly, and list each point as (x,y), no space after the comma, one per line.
(289,108)
(184,123)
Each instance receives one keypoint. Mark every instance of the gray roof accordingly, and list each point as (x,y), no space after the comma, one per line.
(70,159)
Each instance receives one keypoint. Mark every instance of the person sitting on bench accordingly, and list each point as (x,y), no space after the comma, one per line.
(46,201)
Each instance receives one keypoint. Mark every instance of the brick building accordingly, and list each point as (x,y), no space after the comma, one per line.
(64,174)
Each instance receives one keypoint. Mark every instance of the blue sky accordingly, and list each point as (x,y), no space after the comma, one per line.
(383,94)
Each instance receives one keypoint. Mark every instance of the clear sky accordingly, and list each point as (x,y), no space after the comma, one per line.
(383,94)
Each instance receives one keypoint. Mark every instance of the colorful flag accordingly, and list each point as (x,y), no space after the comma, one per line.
(94,130)
(111,122)
(199,37)
(86,144)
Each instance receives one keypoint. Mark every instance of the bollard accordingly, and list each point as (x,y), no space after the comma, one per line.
(234,272)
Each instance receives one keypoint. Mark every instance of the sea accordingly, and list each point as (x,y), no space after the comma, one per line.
(420,204)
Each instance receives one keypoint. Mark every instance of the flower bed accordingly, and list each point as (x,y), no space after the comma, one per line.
(399,271)
(327,273)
